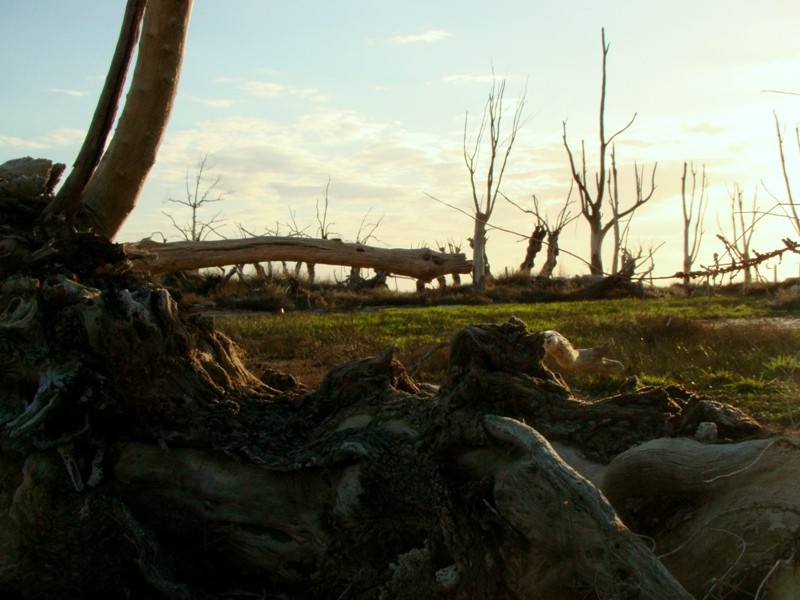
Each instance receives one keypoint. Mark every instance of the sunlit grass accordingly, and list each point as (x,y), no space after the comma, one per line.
(717,346)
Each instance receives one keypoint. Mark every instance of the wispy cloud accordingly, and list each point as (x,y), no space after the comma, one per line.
(427,37)
(62,136)
(68,92)
(270,89)
(210,102)
(482,79)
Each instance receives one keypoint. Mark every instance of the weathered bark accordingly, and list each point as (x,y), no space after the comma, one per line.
(550,262)
(111,194)
(534,247)
(422,263)
(478,244)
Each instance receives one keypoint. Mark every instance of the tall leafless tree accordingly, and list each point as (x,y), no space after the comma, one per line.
(593,201)
(694,204)
(499,149)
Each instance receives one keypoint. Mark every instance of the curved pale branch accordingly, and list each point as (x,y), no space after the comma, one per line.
(112,192)
(68,198)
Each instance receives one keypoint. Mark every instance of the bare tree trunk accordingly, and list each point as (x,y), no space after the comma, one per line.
(260,272)
(596,237)
(111,194)
(552,255)
(478,244)
(694,209)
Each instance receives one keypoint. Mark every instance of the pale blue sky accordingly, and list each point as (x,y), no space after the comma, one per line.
(282,95)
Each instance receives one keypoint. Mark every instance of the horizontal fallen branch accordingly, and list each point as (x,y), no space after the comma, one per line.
(421,263)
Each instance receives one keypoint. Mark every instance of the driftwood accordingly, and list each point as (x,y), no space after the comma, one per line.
(422,263)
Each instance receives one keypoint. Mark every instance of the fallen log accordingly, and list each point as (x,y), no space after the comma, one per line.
(421,263)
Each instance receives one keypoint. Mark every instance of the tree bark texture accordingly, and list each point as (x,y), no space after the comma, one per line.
(422,263)
(550,262)
(139,458)
(534,247)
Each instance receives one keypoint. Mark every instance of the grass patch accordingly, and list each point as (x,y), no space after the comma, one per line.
(721,346)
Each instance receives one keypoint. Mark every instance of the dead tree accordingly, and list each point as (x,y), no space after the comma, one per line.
(365,233)
(593,202)
(790,206)
(534,247)
(552,230)
(499,150)
(323,230)
(621,224)
(694,209)
(148,256)
(199,194)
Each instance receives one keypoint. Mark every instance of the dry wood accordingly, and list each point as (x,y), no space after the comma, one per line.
(422,263)
(563,515)
(732,508)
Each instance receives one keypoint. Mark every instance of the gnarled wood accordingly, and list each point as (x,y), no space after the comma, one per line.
(422,263)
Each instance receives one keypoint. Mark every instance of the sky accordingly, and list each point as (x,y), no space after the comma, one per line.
(370,98)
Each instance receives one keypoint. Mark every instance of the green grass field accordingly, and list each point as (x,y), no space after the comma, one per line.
(731,348)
